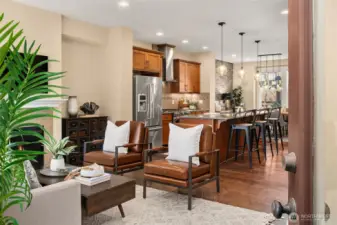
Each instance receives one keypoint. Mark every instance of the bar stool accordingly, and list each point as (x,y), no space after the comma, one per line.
(249,127)
(263,128)
(274,121)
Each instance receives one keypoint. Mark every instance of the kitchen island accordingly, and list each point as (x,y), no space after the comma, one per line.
(221,127)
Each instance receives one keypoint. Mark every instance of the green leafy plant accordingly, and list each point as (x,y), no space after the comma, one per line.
(19,86)
(237,95)
(58,148)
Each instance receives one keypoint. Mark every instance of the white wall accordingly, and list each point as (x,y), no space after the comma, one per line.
(325,70)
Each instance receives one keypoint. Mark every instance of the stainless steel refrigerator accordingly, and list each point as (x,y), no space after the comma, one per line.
(147,105)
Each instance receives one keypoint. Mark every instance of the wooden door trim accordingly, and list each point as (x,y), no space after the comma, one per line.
(301,103)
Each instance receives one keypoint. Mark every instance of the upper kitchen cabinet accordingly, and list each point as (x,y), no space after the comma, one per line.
(187,74)
(147,61)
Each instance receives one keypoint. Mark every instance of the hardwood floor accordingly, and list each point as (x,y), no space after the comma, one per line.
(243,187)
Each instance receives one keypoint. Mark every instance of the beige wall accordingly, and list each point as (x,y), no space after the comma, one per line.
(43,27)
(98,62)
(248,82)
(84,66)
(325,182)
(117,81)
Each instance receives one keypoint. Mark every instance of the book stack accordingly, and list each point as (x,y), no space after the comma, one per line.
(90,181)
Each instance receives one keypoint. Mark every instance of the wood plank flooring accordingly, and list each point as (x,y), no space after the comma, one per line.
(243,187)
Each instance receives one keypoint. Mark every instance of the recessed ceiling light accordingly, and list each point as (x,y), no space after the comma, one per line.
(204,47)
(234,56)
(285,12)
(159,33)
(184,41)
(123,4)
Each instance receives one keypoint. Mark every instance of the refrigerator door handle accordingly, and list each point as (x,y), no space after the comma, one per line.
(152,101)
(148,112)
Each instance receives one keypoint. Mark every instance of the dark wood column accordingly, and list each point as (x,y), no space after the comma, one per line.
(301,112)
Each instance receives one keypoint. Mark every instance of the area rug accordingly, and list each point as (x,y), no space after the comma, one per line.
(169,208)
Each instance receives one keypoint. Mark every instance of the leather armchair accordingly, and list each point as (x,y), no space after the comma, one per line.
(117,162)
(186,175)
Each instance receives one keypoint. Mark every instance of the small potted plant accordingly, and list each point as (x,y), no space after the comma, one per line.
(58,149)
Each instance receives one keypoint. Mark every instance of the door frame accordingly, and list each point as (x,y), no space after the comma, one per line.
(301,104)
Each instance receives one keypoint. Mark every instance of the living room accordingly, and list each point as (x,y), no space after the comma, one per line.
(96,95)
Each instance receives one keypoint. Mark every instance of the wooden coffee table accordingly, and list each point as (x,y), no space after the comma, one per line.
(103,196)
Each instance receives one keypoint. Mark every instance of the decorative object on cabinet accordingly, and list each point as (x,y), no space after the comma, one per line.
(58,149)
(81,130)
(222,69)
(89,108)
(187,74)
(72,106)
(242,71)
(147,61)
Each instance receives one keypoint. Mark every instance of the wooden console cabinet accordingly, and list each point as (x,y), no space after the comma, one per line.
(187,74)
(147,61)
(80,130)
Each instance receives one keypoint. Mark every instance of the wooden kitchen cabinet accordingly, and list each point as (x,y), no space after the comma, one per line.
(147,61)
(187,74)
(166,119)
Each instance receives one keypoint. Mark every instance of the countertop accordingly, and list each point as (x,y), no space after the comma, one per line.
(166,111)
(214,116)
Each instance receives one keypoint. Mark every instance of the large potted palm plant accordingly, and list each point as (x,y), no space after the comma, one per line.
(19,86)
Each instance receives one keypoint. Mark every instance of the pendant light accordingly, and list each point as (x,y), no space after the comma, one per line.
(257,75)
(222,68)
(242,71)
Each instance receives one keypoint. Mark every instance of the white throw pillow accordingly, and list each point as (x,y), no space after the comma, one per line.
(184,143)
(116,136)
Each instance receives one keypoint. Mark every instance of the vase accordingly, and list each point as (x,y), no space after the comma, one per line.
(72,106)
(57,164)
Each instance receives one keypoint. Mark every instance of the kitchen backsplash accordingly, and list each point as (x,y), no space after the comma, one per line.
(170,101)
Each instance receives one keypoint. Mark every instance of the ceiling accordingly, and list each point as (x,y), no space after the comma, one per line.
(195,20)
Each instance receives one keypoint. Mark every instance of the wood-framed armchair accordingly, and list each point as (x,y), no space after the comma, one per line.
(186,175)
(120,163)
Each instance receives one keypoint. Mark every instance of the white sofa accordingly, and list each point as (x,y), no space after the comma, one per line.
(57,204)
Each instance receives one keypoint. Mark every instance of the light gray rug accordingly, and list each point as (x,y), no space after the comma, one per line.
(169,208)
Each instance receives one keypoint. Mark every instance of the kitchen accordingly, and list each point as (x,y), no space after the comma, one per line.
(203,99)
(187,81)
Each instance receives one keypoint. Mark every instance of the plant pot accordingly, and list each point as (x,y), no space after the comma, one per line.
(57,164)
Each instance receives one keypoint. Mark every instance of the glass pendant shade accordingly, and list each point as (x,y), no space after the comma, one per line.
(222,69)
(242,72)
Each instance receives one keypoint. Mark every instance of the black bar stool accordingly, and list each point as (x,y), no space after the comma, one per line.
(274,121)
(264,127)
(249,127)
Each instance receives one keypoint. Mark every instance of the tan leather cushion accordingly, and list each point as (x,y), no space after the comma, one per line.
(138,134)
(206,140)
(108,159)
(176,170)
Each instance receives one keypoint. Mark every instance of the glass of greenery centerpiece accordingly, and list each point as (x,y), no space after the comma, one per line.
(58,149)
(20,85)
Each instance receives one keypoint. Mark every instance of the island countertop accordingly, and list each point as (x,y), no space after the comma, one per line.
(221,128)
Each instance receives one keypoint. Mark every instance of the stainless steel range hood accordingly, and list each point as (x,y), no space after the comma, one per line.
(168,51)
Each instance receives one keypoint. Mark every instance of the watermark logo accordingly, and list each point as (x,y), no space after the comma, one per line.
(293,218)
